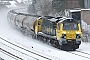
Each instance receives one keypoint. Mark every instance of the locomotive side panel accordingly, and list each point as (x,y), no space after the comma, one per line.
(48,27)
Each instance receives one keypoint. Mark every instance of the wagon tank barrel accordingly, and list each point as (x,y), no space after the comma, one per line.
(22,20)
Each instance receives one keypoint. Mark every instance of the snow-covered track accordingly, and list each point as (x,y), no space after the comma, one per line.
(1,58)
(10,54)
(21,51)
(81,54)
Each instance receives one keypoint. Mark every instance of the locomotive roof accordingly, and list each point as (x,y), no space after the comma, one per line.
(69,21)
(65,19)
(53,19)
(61,19)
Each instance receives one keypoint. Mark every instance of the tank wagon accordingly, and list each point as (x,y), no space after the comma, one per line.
(61,32)
(21,21)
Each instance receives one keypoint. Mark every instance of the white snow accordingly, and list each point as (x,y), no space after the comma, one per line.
(12,34)
(19,1)
(4,56)
(12,4)
(75,10)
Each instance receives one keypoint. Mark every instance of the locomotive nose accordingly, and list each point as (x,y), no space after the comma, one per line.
(70,35)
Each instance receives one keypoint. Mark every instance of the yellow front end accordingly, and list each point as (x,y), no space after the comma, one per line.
(69,36)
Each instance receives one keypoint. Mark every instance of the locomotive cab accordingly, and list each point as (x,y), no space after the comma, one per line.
(69,33)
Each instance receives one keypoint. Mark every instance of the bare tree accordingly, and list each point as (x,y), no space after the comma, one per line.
(40,7)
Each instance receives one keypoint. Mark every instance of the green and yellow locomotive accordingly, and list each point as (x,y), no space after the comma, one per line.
(63,33)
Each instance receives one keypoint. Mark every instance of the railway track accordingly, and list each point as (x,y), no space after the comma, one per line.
(22,52)
(1,58)
(81,54)
(10,54)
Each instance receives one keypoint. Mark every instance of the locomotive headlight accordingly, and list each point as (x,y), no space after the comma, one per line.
(64,36)
(63,39)
(78,36)
(78,40)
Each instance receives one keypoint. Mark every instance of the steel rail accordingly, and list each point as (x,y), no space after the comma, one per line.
(10,54)
(26,49)
(84,54)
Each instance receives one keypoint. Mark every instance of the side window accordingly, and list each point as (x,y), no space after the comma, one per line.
(54,25)
(39,23)
(58,26)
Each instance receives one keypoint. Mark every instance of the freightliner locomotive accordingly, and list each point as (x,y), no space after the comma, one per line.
(61,32)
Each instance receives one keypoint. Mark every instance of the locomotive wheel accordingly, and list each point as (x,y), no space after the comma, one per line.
(37,37)
(58,46)
(44,40)
(33,36)
(40,38)
(73,49)
(48,41)
(61,47)
(52,42)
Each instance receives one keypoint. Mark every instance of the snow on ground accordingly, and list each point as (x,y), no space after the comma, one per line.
(16,36)
(84,47)
(4,56)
